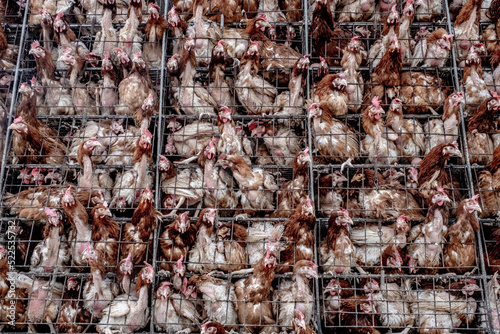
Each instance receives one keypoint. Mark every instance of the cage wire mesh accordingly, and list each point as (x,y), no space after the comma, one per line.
(345,235)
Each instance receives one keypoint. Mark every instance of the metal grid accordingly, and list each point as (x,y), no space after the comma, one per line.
(255,129)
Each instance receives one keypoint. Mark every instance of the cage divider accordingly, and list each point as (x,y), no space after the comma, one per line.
(465,149)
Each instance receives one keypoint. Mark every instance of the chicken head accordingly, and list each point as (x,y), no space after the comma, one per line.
(126,266)
(53,216)
(19,126)
(154,11)
(36,50)
(68,199)
(440,197)
(452,150)
(164,291)
(164,164)
(173,17)
(343,219)
(471,205)
(212,327)
(305,269)
(182,222)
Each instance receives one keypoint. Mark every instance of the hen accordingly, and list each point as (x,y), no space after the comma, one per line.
(177,239)
(137,236)
(299,237)
(334,140)
(435,51)
(336,251)
(127,314)
(427,239)
(257,186)
(390,33)
(105,235)
(353,56)
(331,193)
(445,130)
(480,128)
(295,295)
(254,296)
(411,140)
(466,28)
(72,316)
(219,299)
(154,30)
(488,187)
(432,171)
(379,143)
(52,254)
(459,253)
(292,192)
(374,243)
(331,92)
(255,94)
(476,90)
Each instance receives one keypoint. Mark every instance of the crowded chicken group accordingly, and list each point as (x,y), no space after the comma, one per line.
(250,166)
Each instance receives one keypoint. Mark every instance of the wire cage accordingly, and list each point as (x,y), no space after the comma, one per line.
(209,232)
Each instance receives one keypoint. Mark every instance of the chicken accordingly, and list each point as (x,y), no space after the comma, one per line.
(299,237)
(295,295)
(98,291)
(432,171)
(194,99)
(174,312)
(44,302)
(137,236)
(129,40)
(45,66)
(219,88)
(219,299)
(411,140)
(481,126)
(436,50)
(459,252)
(476,90)
(281,57)
(443,310)
(334,293)
(105,235)
(390,33)
(205,31)
(108,90)
(292,192)
(39,149)
(128,185)
(229,142)
(329,40)
(189,140)
(291,102)
(404,36)
(330,191)
(331,91)
(386,77)
(72,316)
(136,96)
(272,11)
(379,143)
(416,96)
(257,186)
(357,10)
(357,314)
(281,141)
(389,301)
(13,304)
(65,38)
(487,187)
(82,100)
(181,186)
(106,40)
(177,239)
(420,46)
(154,30)
(372,241)
(178,27)
(127,314)
(52,254)
(427,10)
(381,195)
(466,28)
(492,295)
(231,242)
(254,93)
(334,140)
(217,183)
(427,239)
(444,130)
(336,251)
(80,232)
(8,53)
(261,235)
(292,9)
(254,296)
(87,179)
(353,56)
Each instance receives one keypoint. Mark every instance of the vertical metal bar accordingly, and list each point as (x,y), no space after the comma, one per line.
(13,99)
(305,48)
(159,134)
(469,171)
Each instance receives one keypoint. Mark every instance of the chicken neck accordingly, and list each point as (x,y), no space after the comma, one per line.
(52,243)
(47,39)
(142,171)
(107,26)
(126,284)
(73,76)
(198,19)
(296,84)
(470,22)
(351,65)
(130,29)
(97,280)
(450,128)
(142,301)
(88,172)
(210,181)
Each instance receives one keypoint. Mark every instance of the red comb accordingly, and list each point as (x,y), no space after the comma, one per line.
(18,120)
(376,102)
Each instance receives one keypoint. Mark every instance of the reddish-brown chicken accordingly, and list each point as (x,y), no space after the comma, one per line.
(177,239)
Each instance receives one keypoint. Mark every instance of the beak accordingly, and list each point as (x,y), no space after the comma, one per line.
(108,213)
(314,273)
(456,153)
(477,207)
